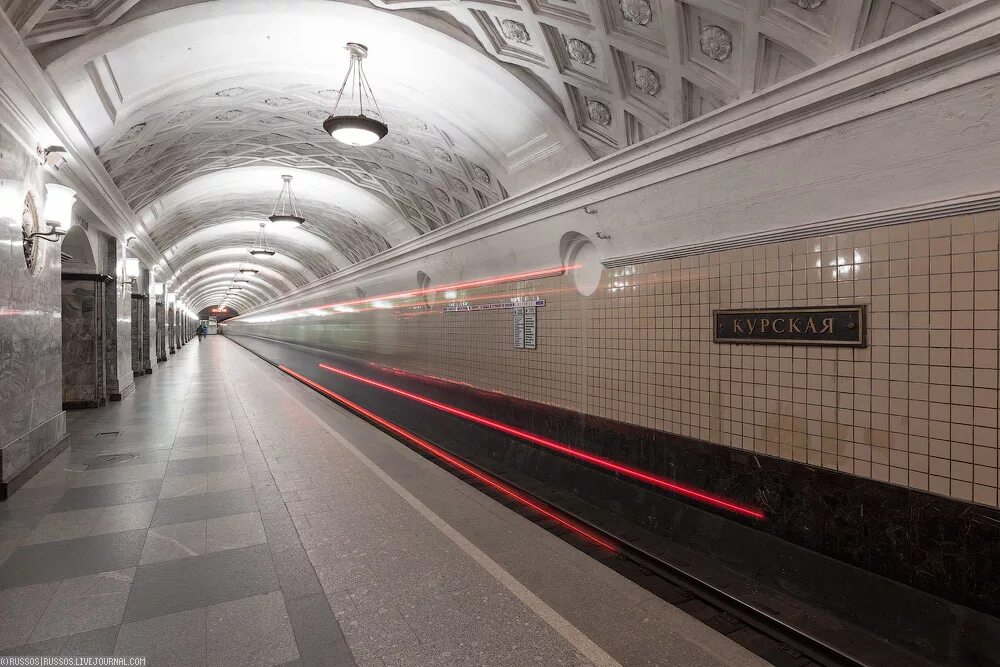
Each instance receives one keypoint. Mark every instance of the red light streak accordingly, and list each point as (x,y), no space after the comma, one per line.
(600,461)
(456,462)
(513,277)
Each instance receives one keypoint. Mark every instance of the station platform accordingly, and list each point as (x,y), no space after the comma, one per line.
(227,514)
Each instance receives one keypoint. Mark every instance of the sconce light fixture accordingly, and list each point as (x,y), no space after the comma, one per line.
(132,271)
(59,202)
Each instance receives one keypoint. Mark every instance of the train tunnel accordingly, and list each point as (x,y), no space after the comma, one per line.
(651,332)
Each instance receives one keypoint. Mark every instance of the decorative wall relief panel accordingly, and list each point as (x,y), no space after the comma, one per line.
(83,383)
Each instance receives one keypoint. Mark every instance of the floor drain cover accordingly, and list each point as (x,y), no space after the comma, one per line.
(118,458)
(109,434)
(109,460)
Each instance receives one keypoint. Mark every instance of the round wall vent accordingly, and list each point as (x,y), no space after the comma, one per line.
(577,250)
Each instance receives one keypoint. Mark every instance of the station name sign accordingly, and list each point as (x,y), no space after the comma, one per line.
(822,325)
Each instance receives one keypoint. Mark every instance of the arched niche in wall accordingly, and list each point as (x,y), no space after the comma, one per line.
(576,250)
(78,253)
(424,283)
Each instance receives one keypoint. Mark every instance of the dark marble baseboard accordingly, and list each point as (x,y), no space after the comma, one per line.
(22,459)
(119,395)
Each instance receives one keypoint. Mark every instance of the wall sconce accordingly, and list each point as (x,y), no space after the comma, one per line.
(132,271)
(58,214)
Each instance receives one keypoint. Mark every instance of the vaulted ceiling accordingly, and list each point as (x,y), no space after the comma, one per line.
(197,108)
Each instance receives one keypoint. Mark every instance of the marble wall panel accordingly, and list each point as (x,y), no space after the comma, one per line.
(30,359)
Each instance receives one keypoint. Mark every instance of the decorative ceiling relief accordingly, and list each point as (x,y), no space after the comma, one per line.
(73,4)
(636,11)
(515,31)
(166,150)
(579,51)
(715,42)
(585,35)
(646,80)
(807,4)
(599,112)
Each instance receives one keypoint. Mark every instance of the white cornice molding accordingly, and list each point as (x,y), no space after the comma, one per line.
(40,112)
(943,53)
(925,211)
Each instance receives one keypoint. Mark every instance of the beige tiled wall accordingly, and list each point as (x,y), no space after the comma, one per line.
(918,407)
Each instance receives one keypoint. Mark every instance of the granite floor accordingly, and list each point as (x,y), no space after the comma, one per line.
(224,514)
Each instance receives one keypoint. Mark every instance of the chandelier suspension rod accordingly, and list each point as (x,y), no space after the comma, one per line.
(371,93)
(343,86)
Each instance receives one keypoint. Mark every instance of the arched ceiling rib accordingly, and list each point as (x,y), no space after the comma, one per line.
(279,280)
(295,270)
(313,252)
(251,286)
(198,107)
(217,296)
(352,224)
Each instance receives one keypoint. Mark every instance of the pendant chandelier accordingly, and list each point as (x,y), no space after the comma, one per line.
(261,246)
(347,127)
(286,209)
(249,269)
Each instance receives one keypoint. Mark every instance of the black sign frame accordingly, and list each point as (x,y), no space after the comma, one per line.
(859,312)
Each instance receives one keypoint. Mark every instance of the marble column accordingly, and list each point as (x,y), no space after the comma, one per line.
(161,330)
(150,356)
(117,323)
(171,329)
(137,332)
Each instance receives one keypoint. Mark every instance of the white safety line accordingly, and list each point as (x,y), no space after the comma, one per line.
(581,642)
